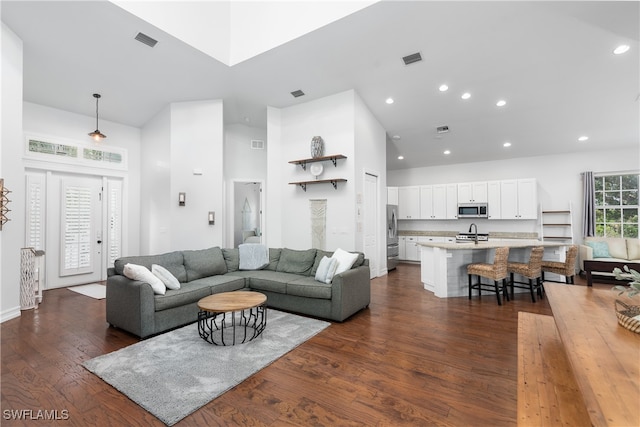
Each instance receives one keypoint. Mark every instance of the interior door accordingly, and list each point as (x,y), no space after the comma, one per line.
(75,231)
(371,223)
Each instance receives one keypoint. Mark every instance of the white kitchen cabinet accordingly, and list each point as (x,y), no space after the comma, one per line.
(392,196)
(409,202)
(451,201)
(493,200)
(438,201)
(411,248)
(519,199)
(402,247)
(472,192)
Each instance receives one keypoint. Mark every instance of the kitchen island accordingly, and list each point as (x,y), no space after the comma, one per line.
(444,265)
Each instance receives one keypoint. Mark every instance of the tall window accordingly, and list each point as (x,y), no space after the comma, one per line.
(617,205)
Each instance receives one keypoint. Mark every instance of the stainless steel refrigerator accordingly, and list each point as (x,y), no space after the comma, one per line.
(393,254)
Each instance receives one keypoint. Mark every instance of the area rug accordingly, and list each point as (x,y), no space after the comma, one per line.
(176,373)
(93,290)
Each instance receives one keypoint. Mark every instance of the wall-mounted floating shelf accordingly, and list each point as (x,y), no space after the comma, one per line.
(334,182)
(303,162)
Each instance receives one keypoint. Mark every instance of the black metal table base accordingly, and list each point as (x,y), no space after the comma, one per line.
(234,327)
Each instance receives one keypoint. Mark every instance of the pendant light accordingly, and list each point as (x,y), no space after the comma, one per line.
(96,134)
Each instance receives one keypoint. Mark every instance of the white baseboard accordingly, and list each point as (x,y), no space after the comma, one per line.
(9,314)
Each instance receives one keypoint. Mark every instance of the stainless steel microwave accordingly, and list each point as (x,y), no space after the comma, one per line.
(473,210)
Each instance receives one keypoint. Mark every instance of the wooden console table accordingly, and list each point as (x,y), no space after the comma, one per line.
(604,356)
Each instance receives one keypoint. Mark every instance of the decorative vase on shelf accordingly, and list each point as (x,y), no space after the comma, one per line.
(317,147)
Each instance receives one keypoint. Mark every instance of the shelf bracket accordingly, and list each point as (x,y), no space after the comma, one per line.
(303,186)
(334,160)
(334,183)
(303,165)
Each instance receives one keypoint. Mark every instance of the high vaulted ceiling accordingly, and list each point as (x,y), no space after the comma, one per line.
(551,61)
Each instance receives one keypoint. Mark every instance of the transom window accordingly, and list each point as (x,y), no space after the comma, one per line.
(617,205)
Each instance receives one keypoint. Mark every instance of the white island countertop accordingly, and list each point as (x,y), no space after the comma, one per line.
(492,244)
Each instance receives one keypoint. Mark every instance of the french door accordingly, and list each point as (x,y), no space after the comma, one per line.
(77,219)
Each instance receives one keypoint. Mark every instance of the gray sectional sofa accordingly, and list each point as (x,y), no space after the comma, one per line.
(288,281)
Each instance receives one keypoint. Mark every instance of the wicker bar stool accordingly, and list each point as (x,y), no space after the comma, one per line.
(496,272)
(566,268)
(532,270)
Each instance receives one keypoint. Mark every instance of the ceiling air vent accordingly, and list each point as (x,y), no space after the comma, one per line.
(257,144)
(297,93)
(145,39)
(442,129)
(410,59)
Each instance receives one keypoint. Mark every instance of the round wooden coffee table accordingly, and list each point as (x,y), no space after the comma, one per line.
(231,318)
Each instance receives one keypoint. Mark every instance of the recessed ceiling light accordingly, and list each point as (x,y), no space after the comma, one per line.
(400,157)
(389,101)
(443,88)
(501,103)
(621,49)
(447,152)
(396,137)
(466,95)
(583,138)
(506,144)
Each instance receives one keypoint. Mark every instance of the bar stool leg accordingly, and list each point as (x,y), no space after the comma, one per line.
(470,285)
(495,284)
(533,298)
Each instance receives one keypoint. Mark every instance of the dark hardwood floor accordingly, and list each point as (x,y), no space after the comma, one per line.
(409,359)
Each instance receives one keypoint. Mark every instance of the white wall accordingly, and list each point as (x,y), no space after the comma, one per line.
(155,200)
(12,234)
(188,158)
(371,157)
(290,131)
(559,182)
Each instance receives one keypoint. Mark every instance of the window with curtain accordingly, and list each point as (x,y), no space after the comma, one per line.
(617,205)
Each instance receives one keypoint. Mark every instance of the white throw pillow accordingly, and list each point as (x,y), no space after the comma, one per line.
(142,273)
(326,269)
(345,260)
(165,276)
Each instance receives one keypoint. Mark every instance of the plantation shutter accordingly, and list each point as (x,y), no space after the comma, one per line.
(114,221)
(76,242)
(35,227)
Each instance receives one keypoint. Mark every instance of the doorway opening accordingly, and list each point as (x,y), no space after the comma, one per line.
(247,215)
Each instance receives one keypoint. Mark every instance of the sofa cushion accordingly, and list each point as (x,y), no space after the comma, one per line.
(222,283)
(633,249)
(142,273)
(359,260)
(308,287)
(274,257)
(617,248)
(264,280)
(187,294)
(172,261)
(231,258)
(204,263)
(296,262)
(600,249)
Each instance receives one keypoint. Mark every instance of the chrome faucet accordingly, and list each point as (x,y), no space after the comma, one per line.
(475,237)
